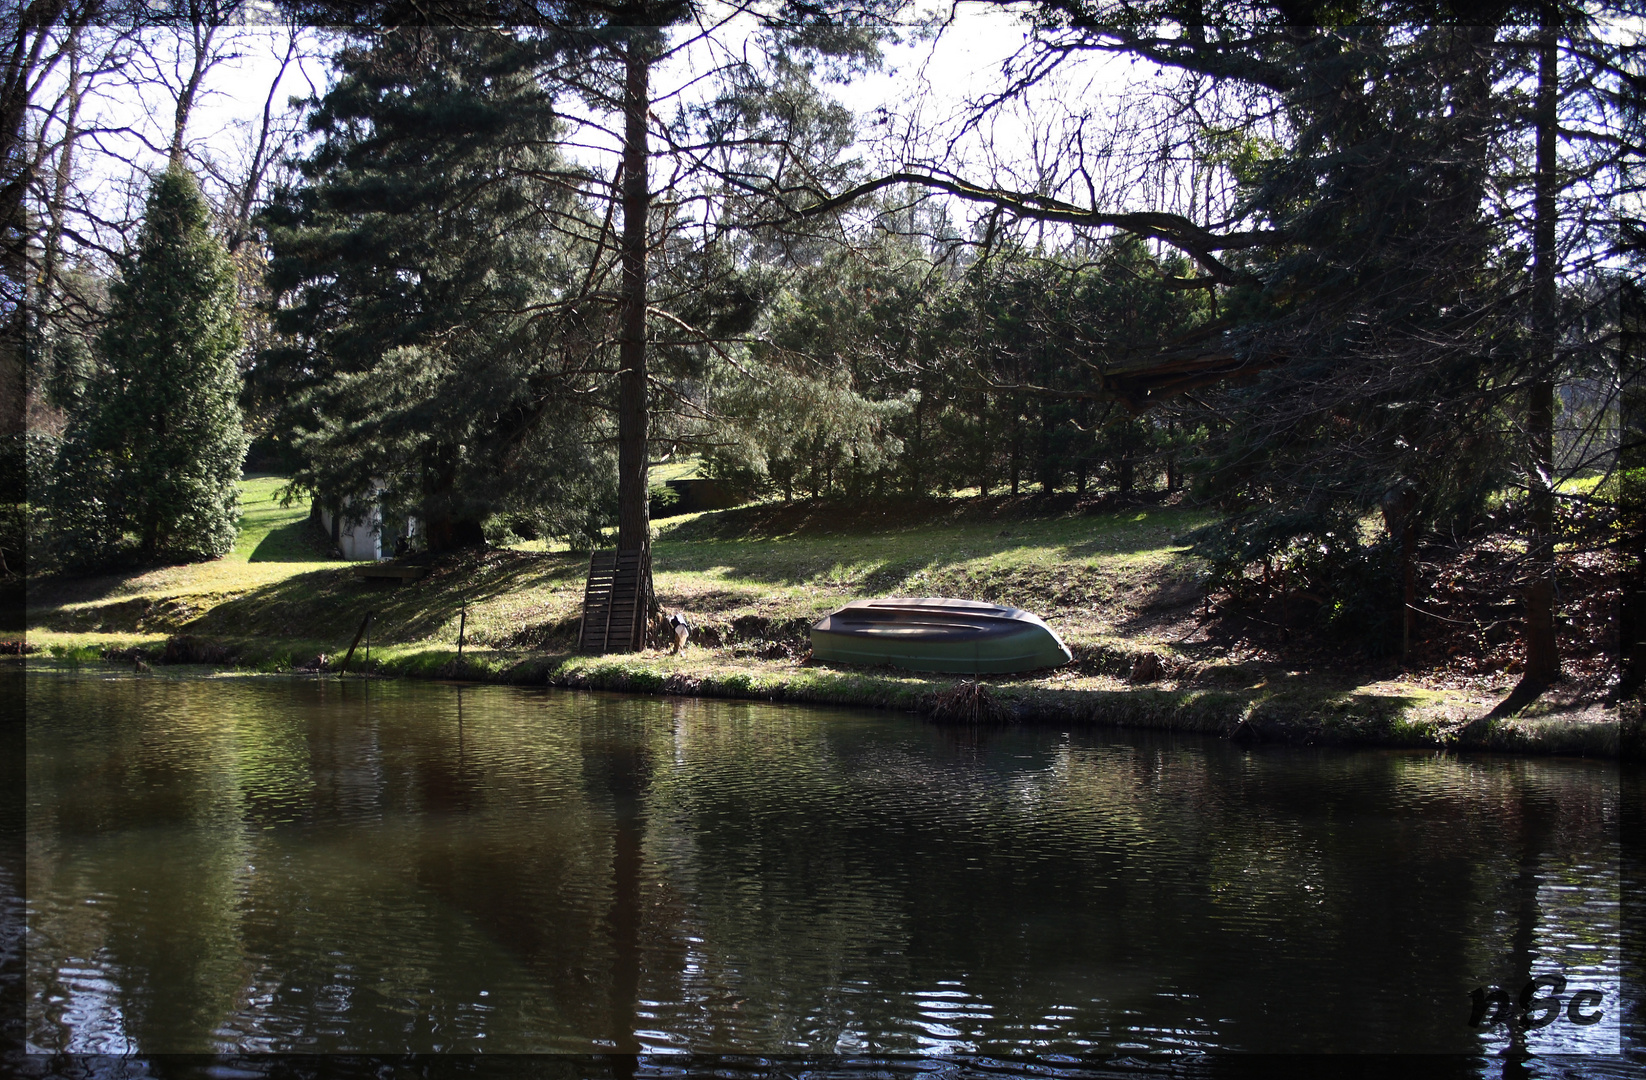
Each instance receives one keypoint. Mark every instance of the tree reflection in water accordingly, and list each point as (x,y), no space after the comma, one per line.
(617,771)
(308,866)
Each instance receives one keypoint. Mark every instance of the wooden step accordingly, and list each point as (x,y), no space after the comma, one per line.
(615,602)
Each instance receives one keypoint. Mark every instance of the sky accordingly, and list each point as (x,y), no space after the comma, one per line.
(924,87)
(925,81)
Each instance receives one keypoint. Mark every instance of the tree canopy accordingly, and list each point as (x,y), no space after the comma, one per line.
(438,352)
(149,461)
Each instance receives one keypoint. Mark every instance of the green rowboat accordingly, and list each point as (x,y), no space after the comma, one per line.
(937,634)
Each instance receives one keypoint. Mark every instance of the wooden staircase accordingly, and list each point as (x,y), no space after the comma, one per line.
(616,601)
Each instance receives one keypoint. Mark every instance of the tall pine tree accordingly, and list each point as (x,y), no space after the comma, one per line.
(150,459)
(440,354)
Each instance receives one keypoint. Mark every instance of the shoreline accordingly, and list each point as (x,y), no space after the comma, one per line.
(1113,580)
(1387,716)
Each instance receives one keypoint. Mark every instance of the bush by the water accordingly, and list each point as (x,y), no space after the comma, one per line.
(1314,564)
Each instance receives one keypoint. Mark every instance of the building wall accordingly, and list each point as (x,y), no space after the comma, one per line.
(360,542)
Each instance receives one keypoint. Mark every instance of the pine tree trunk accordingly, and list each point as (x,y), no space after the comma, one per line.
(1017,446)
(451,533)
(1174,479)
(1542,654)
(983,446)
(633,519)
(1048,464)
(1631,462)
(1408,573)
(917,445)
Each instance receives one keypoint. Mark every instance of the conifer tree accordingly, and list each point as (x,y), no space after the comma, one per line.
(435,355)
(151,456)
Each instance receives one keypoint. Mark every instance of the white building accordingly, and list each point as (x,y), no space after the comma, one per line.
(370,539)
(361,541)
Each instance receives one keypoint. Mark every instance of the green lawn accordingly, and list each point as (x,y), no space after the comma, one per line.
(1112,584)
(1085,573)
(1091,575)
(685,468)
(270,532)
(276,544)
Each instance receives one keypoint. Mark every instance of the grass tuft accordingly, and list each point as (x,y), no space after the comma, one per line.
(75,655)
(967,703)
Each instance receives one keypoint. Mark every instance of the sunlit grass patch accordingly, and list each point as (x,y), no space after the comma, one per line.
(1074,568)
(271,531)
(53,643)
(1589,484)
(684,468)
(75,654)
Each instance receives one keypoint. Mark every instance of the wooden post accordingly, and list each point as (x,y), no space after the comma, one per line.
(462,625)
(358,634)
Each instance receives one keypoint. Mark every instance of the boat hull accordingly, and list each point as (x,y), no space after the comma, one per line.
(937,634)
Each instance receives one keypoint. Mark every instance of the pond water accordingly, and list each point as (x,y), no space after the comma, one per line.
(253,864)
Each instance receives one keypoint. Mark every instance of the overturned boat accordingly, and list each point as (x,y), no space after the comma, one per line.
(937,634)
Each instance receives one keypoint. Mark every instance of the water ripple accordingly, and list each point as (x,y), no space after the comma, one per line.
(262,865)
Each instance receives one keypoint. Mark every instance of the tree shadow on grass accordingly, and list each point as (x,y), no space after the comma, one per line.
(330,603)
(1328,710)
(1029,571)
(294,542)
(880,559)
(706,602)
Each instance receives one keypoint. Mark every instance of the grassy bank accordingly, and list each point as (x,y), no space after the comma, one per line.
(1109,579)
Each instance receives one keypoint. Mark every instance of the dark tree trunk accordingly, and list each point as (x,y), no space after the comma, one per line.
(1400,519)
(1174,479)
(32,28)
(446,533)
(1408,560)
(57,209)
(983,446)
(1632,490)
(917,445)
(1048,462)
(1017,447)
(444,528)
(187,93)
(1542,653)
(633,519)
